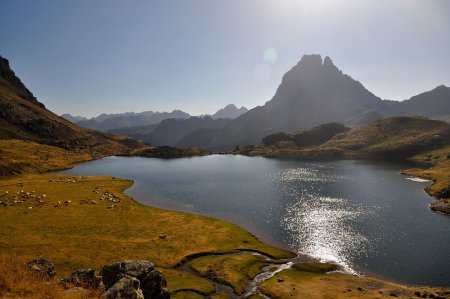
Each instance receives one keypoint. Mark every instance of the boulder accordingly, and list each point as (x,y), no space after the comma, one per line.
(43,268)
(84,278)
(154,286)
(133,268)
(125,288)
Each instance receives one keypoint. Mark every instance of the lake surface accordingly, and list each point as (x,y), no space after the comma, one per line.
(363,215)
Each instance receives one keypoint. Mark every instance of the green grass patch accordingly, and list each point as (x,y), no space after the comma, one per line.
(319,268)
(186,295)
(178,280)
(235,270)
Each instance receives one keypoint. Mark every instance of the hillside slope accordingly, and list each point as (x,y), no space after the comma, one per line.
(433,104)
(396,137)
(23,117)
(33,138)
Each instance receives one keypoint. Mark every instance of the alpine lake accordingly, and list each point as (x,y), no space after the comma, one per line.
(362,215)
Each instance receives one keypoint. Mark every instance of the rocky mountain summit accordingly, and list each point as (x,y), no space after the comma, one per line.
(229,111)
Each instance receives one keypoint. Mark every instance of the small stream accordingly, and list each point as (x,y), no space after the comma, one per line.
(273,267)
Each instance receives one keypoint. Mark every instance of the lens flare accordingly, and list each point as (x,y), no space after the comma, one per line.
(270,55)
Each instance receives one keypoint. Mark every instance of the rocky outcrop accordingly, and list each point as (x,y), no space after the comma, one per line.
(134,278)
(43,268)
(134,268)
(83,278)
(441,206)
(126,288)
(154,285)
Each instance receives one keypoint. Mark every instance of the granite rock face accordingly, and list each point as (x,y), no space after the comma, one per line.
(125,288)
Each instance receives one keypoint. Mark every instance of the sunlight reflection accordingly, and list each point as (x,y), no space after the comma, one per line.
(321,226)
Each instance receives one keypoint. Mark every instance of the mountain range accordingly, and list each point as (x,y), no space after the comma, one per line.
(313,92)
(107,122)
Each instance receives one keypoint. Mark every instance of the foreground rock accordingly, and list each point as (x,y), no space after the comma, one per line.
(43,268)
(133,268)
(84,278)
(133,279)
(126,288)
(154,285)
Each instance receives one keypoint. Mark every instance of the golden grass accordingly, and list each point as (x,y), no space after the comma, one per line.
(295,283)
(236,270)
(17,282)
(439,172)
(79,235)
(21,156)
(187,295)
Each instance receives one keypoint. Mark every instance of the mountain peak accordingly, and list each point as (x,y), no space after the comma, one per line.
(442,87)
(8,75)
(229,111)
(310,61)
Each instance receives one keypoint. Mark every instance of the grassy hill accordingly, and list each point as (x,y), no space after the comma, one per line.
(389,138)
(396,137)
(304,138)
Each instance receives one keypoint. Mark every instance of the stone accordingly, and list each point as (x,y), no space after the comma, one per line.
(84,278)
(125,288)
(42,267)
(154,286)
(134,268)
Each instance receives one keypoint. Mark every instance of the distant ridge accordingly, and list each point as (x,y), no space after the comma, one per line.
(105,122)
(230,111)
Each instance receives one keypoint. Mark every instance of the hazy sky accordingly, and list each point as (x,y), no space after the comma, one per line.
(88,57)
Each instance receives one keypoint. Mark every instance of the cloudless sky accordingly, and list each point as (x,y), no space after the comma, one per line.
(87,57)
